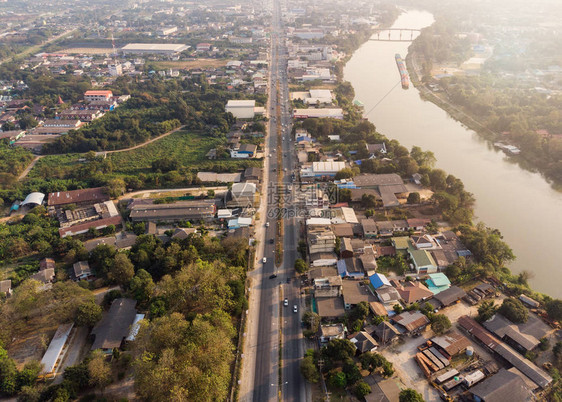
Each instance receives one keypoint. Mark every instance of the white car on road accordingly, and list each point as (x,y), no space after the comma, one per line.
(264,260)
(295,309)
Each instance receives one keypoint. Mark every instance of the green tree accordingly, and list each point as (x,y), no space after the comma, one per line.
(309,370)
(387,369)
(371,361)
(122,270)
(410,395)
(414,198)
(300,266)
(440,323)
(486,310)
(397,308)
(337,379)
(554,309)
(339,350)
(8,374)
(142,286)
(361,389)
(351,371)
(514,310)
(88,314)
(99,370)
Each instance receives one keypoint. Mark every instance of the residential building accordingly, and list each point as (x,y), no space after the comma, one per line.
(524,337)
(438,282)
(328,286)
(379,280)
(369,228)
(319,170)
(410,322)
(98,95)
(451,344)
(6,287)
(114,327)
(320,239)
(241,195)
(244,151)
(383,391)
(82,271)
(351,267)
(363,342)
(330,308)
(423,261)
(355,292)
(385,332)
(413,292)
(331,332)
(447,297)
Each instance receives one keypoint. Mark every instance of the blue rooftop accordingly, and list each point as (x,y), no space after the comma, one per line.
(378,280)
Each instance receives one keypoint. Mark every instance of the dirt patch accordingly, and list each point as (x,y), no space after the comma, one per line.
(191,64)
(88,50)
(31,346)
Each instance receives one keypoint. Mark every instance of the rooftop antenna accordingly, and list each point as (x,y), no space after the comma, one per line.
(113,45)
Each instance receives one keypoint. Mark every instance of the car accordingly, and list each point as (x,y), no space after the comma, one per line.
(286,302)
(266,224)
(295,309)
(288,280)
(264,260)
(272,276)
(271,241)
(284,169)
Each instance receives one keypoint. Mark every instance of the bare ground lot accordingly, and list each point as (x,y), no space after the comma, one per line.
(88,50)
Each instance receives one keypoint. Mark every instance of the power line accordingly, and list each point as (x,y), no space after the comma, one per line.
(388,93)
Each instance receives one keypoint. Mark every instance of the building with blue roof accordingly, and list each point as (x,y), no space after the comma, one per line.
(378,280)
(438,282)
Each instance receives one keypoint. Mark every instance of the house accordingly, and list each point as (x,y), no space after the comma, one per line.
(401,244)
(322,272)
(529,302)
(355,292)
(183,233)
(378,280)
(438,282)
(351,267)
(363,342)
(374,149)
(417,224)
(388,295)
(369,263)
(85,227)
(46,263)
(44,276)
(320,239)
(410,322)
(330,308)
(385,332)
(239,222)
(114,327)
(451,344)
(378,309)
(447,297)
(323,259)
(502,386)
(252,174)
(82,271)
(423,261)
(369,228)
(343,230)
(88,196)
(412,292)
(423,242)
(241,109)
(331,331)
(328,287)
(346,249)
(90,245)
(6,287)
(383,391)
(244,151)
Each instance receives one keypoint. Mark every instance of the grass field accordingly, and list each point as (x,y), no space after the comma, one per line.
(189,64)
(188,148)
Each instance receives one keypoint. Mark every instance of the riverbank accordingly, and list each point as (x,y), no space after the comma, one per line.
(413,63)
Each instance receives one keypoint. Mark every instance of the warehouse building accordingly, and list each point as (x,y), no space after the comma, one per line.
(241,109)
(178,211)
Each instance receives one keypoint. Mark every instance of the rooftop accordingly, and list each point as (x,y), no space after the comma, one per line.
(114,326)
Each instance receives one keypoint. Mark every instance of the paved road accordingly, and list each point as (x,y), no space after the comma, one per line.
(284,285)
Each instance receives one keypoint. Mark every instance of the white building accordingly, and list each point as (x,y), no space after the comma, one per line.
(334,113)
(241,109)
(95,96)
(167,31)
(115,70)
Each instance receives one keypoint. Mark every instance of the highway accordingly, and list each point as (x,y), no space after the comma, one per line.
(277,283)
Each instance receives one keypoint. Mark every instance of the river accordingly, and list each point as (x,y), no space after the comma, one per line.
(521,204)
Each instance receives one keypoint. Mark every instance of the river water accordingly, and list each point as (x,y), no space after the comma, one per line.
(521,204)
